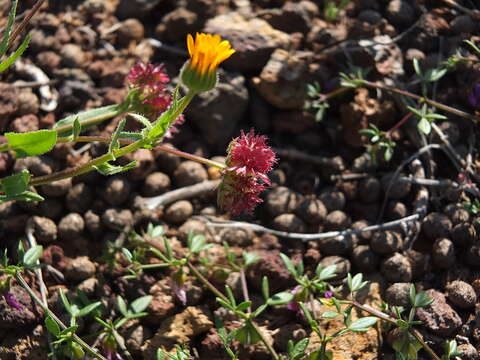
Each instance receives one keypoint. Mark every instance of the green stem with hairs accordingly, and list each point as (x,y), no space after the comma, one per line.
(219,294)
(114,154)
(393,321)
(77,339)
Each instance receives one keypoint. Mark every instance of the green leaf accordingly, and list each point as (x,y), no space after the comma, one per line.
(422,300)
(142,120)
(122,306)
(130,135)
(388,154)
(265,288)
(89,308)
(249,258)
(128,255)
(15,187)
(247,335)
(52,326)
(93,117)
(362,324)
(416,67)
(356,282)
(114,143)
(32,143)
(141,303)
(243,306)
(298,350)
(11,59)
(198,243)
(424,126)
(330,314)
(66,303)
(108,169)
(259,310)
(69,330)
(155,231)
(77,129)
(326,273)
(289,264)
(280,298)
(32,255)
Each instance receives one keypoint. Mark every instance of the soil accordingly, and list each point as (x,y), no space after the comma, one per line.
(325,180)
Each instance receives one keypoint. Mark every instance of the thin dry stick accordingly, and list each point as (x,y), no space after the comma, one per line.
(292,154)
(420,152)
(243,280)
(24,22)
(420,204)
(77,339)
(215,222)
(393,321)
(32,242)
(421,98)
(183,193)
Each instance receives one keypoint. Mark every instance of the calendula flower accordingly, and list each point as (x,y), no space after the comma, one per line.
(248,161)
(206,53)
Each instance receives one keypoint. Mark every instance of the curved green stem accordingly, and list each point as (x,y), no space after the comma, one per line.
(391,320)
(156,131)
(77,339)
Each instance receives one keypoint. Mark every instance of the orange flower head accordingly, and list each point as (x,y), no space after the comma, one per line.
(206,53)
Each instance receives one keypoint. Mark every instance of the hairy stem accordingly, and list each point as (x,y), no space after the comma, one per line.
(393,321)
(219,294)
(77,339)
(430,102)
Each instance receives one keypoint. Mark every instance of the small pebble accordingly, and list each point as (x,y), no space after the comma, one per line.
(51,206)
(190,173)
(179,211)
(44,229)
(396,210)
(312,211)
(117,219)
(464,235)
(365,259)
(57,188)
(79,198)
(334,200)
(400,12)
(337,220)
(398,294)
(457,213)
(369,189)
(339,245)
(436,225)
(386,242)
(130,29)
(397,268)
(79,269)
(72,55)
(93,223)
(397,190)
(443,253)
(461,294)
(117,190)
(289,222)
(281,200)
(155,184)
(71,226)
